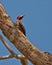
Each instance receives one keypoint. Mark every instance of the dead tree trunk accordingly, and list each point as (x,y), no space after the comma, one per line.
(21,42)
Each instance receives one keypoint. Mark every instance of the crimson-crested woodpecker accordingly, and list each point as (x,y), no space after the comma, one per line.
(20,25)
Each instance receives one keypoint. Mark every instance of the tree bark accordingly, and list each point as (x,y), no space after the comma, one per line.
(20,41)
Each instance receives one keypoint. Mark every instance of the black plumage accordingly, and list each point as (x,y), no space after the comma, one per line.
(21,27)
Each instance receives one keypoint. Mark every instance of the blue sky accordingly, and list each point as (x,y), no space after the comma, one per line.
(37,23)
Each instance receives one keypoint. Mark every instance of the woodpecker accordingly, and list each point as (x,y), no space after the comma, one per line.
(20,17)
(20,25)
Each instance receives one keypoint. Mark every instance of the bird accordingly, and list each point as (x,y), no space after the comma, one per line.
(20,25)
(20,17)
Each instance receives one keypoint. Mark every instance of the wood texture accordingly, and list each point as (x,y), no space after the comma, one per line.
(20,41)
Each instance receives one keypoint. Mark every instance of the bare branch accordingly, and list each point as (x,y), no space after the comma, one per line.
(21,57)
(6,45)
(6,57)
(21,42)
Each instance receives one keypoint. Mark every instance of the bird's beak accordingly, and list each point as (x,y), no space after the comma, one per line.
(24,15)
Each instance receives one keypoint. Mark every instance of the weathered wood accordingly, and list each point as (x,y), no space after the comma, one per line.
(21,42)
